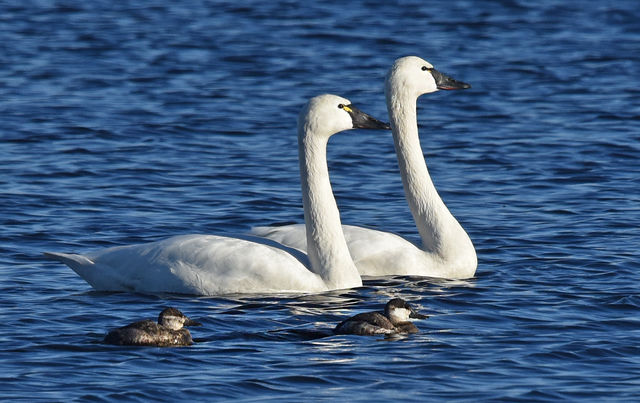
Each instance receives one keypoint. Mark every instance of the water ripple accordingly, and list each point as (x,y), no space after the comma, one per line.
(126,122)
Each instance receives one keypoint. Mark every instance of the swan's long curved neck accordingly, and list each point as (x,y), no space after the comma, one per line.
(326,245)
(441,233)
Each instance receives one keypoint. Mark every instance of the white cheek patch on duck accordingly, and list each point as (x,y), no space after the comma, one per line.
(400,314)
(173,322)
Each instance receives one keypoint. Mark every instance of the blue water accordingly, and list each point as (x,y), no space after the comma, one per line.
(124,122)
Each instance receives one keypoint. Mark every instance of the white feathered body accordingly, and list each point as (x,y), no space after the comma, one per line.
(194,264)
(380,253)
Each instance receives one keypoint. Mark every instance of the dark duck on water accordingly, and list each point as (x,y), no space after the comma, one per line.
(168,331)
(394,320)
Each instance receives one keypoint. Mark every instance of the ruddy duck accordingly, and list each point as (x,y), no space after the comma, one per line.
(394,320)
(168,331)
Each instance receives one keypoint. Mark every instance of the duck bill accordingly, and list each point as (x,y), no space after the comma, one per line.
(444,82)
(190,322)
(362,120)
(416,315)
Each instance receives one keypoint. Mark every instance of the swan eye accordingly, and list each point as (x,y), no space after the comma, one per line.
(425,68)
(340,106)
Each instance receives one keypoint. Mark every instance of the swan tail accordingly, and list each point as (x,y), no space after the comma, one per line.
(76,262)
(99,276)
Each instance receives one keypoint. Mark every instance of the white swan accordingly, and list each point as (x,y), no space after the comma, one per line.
(447,251)
(211,264)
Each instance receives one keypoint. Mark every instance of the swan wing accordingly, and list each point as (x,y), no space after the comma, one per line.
(375,253)
(292,235)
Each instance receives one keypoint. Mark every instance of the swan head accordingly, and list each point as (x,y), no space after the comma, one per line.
(399,310)
(327,114)
(174,319)
(417,76)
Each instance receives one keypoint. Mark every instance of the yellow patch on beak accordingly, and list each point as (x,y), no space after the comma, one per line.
(346,108)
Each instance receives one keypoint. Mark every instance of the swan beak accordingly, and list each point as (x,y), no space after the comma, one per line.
(190,322)
(363,121)
(444,82)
